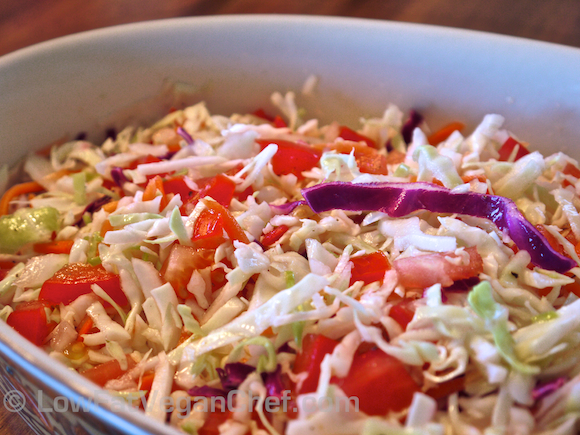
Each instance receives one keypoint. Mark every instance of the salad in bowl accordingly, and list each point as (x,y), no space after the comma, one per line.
(268,274)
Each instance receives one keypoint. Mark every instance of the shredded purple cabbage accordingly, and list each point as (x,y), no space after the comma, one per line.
(543,390)
(286,208)
(402,199)
(273,382)
(185,135)
(415,118)
(233,374)
(92,208)
(118,176)
(206,391)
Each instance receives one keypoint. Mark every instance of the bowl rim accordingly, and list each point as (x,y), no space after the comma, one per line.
(33,360)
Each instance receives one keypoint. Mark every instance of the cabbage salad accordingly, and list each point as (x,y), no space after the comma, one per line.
(302,278)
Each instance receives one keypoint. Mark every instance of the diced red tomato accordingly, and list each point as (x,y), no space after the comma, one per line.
(369,268)
(273,236)
(368,159)
(447,388)
(380,382)
(425,270)
(314,348)
(208,231)
(508,146)
(180,264)
(403,312)
(75,279)
(107,371)
(220,188)
(29,319)
(214,420)
(55,247)
(291,157)
(229,223)
(348,134)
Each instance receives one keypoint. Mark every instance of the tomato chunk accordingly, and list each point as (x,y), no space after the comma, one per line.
(314,348)
(380,382)
(29,319)
(425,270)
(369,268)
(180,264)
(403,312)
(107,371)
(508,146)
(367,159)
(348,134)
(291,157)
(75,280)
(208,231)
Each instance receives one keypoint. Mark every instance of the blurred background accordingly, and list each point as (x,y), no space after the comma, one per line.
(26,22)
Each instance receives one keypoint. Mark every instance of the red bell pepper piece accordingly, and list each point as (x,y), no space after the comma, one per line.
(220,188)
(369,268)
(273,236)
(508,146)
(29,319)
(208,231)
(75,279)
(291,157)
(349,134)
(229,223)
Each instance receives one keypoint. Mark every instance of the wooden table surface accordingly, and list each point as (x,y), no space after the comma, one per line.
(26,22)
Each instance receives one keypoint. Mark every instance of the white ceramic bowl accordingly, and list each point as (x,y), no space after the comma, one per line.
(100,79)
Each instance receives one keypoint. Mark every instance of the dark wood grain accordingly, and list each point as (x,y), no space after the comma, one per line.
(26,22)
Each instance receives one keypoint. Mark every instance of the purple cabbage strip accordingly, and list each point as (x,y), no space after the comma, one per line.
(185,135)
(206,391)
(93,207)
(118,176)
(415,118)
(273,382)
(543,390)
(233,374)
(402,199)
(286,208)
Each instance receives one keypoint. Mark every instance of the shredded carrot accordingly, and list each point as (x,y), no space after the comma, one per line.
(85,326)
(444,132)
(106,227)
(110,207)
(15,191)
(58,174)
(55,247)
(153,186)
(147,381)
(468,178)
